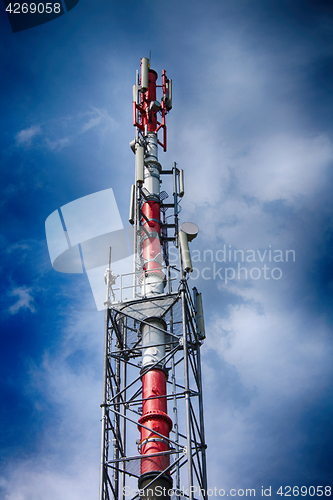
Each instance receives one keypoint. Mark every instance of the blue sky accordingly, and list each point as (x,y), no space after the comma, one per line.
(251,126)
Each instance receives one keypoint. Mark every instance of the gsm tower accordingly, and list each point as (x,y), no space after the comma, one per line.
(153,440)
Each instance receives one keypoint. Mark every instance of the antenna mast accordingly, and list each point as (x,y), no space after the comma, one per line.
(152,367)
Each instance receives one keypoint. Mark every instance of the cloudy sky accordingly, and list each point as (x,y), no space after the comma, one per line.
(251,126)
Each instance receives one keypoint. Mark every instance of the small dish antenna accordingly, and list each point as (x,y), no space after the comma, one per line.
(190,229)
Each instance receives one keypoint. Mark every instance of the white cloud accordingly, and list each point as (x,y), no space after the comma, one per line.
(65,461)
(32,481)
(29,481)
(99,118)
(273,366)
(277,167)
(25,136)
(20,247)
(25,299)
(284,167)
(93,122)
(243,135)
(58,143)
(271,351)
(61,133)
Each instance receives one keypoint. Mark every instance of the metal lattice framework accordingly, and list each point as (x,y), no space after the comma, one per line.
(123,394)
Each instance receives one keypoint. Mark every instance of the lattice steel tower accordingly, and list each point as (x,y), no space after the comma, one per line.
(153,441)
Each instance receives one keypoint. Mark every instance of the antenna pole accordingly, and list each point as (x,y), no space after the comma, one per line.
(152,341)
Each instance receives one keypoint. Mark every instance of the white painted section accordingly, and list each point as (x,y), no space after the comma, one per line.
(150,337)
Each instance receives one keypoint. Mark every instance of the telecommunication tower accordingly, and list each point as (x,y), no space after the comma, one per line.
(153,440)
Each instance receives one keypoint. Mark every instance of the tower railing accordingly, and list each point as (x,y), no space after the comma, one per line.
(125,287)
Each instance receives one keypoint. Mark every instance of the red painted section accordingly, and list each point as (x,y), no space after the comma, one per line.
(154,385)
(151,246)
(152,211)
(154,416)
(152,120)
(152,77)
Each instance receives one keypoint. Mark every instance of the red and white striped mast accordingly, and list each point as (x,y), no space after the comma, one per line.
(152,280)
(145,347)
